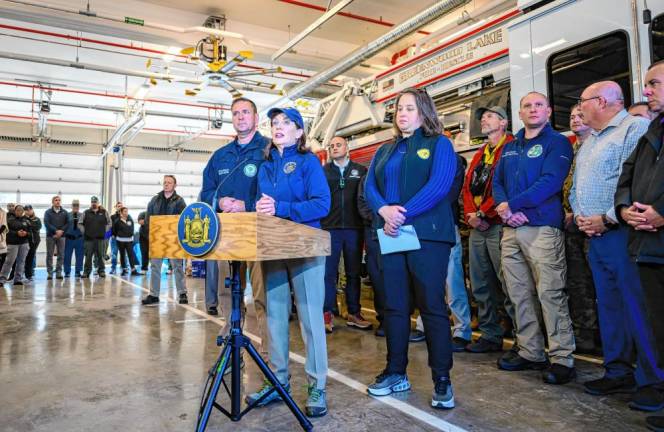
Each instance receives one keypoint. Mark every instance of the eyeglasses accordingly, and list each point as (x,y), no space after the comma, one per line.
(580,100)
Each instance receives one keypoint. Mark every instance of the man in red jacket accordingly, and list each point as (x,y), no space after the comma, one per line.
(486,277)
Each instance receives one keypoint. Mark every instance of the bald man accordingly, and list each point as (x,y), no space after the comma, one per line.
(620,301)
(639,204)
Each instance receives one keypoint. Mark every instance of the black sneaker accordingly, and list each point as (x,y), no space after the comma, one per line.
(136,273)
(183,299)
(483,345)
(647,399)
(510,362)
(18,283)
(85,276)
(212,310)
(459,344)
(558,374)
(150,299)
(655,423)
(59,277)
(77,276)
(102,274)
(124,272)
(49,277)
(416,336)
(607,386)
(443,395)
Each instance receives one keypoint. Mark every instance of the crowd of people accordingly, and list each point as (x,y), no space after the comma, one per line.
(565,241)
(75,240)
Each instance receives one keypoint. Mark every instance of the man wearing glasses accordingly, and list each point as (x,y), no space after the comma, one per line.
(625,339)
(345,226)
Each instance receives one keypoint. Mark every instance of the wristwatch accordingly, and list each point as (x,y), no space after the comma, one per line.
(480,214)
(608,224)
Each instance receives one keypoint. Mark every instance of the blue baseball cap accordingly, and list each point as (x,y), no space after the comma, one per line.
(293,114)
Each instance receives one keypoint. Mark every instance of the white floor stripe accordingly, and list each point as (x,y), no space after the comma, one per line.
(404,407)
(190,320)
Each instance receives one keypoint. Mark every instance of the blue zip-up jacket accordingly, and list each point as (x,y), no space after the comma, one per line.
(297,183)
(530,176)
(55,221)
(231,172)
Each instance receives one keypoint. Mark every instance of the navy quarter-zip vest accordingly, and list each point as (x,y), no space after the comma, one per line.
(437,224)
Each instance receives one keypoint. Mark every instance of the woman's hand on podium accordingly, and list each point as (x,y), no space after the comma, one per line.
(266,205)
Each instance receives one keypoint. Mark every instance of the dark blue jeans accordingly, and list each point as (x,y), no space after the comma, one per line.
(626,337)
(348,241)
(73,247)
(374,270)
(419,274)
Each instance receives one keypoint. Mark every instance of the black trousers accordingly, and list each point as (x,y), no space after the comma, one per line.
(126,249)
(145,253)
(652,281)
(30,259)
(419,275)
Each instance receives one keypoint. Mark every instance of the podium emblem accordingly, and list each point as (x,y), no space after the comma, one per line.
(198,229)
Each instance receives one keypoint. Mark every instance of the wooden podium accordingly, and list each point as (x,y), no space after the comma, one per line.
(244,237)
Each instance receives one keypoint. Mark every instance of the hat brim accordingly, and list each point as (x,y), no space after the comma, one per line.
(480,112)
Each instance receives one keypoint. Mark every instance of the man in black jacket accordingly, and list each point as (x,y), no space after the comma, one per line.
(639,203)
(94,223)
(35,239)
(345,226)
(166,202)
(144,237)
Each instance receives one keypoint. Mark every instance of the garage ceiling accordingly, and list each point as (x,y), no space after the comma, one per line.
(46,31)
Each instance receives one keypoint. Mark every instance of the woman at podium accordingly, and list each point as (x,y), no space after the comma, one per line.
(408,187)
(292,185)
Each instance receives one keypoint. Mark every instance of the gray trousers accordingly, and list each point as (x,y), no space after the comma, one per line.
(486,280)
(258,292)
(93,249)
(306,276)
(155,275)
(51,245)
(535,272)
(15,253)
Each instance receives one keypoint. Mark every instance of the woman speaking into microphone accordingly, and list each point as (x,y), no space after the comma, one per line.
(292,185)
(409,187)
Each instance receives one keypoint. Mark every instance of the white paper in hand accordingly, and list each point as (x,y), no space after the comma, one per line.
(406,240)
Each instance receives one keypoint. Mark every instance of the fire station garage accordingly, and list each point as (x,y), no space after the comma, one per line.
(331,215)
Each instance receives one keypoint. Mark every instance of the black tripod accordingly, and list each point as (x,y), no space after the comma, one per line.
(230,352)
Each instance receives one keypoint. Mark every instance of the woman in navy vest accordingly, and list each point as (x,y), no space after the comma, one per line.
(292,185)
(408,183)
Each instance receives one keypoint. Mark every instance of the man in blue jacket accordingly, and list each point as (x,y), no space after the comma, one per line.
(527,186)
(229,186)
(56,221)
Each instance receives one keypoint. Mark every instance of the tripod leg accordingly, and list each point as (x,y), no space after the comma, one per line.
(211,396)
(290,403)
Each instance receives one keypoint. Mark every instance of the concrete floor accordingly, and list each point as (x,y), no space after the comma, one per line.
(81,356)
